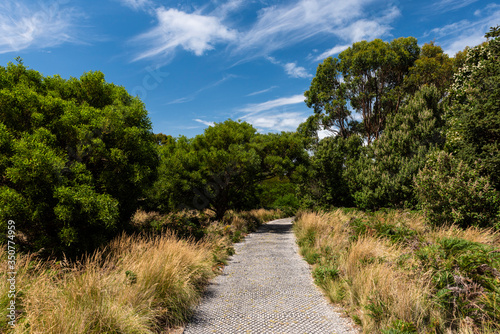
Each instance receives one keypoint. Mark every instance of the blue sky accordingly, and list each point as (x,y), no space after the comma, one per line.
(198,62)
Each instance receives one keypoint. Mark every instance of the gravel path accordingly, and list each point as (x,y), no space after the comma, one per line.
(266,288)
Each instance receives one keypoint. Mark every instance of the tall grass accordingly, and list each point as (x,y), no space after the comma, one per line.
(136,284)
(395,274)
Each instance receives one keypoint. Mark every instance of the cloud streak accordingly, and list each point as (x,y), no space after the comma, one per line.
(272,115)
(177,29)
(192,96)
(207,123)
(456,36)
(38,26)
(262,91)
(252,109)
(275,27)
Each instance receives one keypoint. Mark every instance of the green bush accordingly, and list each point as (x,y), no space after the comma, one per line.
(75,158)
(452,192)
(466,279)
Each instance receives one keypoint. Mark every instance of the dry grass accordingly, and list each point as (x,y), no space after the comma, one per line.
(137,284)
(375,274)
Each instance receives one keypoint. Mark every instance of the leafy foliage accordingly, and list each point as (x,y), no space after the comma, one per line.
(76,157)
(384,175)
(222,168)
(450,191)
(368,75)
(474,115)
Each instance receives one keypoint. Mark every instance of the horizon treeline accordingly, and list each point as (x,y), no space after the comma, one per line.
(410,128)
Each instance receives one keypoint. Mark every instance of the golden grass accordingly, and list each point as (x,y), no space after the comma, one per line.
(379,281)
(137,284)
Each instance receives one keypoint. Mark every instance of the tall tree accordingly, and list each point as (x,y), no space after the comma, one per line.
(366,79)
(474,114)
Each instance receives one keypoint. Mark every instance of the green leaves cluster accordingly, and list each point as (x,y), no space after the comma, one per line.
(224,168)
(411,103)
(75,158)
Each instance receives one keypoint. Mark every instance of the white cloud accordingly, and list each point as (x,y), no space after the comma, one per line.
(456,36)
(262,91)
(285,121)
(192,32)
(291,69)
(296,71)
(272,104)
(136,4)
(289,24)
(204,122)
(331,52)
(38,26)
(273,116)
(444,6)
(225,9)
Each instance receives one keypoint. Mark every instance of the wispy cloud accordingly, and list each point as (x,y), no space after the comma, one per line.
(331,52)
(296,71)
(284,121)
(207,123)
(276,27)
(275,115)
(456,36)
(136,4)
(262,91)
(224,9)
(291,69)
(38,26)
(252,109)
(289,24)
(177,29)
(444,6)
(193,95)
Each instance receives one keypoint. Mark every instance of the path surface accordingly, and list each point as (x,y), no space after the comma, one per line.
(266,288)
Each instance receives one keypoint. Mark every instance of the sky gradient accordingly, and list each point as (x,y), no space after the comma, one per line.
(197,62)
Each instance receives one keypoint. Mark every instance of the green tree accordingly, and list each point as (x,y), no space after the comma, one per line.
(76,157)
(433,67)
(368,76)
(325,183)
(473,117)
(222,168)
(452,192)
(384,175)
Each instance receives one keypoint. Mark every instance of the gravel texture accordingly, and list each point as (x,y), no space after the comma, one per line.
(267,288)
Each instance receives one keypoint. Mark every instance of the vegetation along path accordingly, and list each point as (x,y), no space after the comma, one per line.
(266,288)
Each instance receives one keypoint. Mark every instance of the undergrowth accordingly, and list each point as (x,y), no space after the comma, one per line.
(395,274)
(142,283)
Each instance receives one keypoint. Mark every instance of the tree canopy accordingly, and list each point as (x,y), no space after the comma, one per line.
(76,156)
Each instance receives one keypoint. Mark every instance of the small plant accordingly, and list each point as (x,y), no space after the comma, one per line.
(131,277)
(400,327)
(322,273)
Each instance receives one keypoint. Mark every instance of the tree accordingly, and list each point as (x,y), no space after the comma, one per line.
(452,192)
(433,67)
(221,168)
(384,175)
(369,76)
(473,117)
(76,158)
(326,182)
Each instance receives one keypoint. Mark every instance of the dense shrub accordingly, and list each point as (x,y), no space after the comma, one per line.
(452,192)
(76,156)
